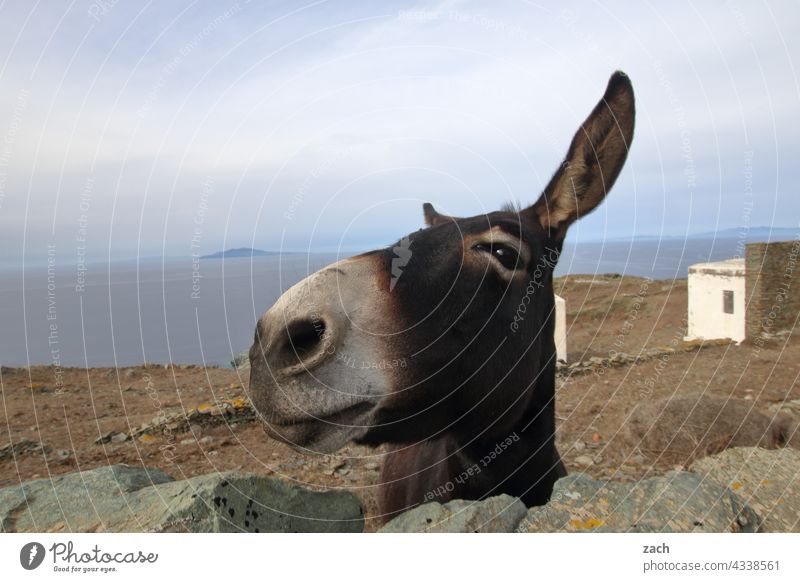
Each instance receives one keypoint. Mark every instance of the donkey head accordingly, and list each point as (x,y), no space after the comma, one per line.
(449,330)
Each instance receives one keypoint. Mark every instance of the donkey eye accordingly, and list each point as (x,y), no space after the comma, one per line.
(507,256)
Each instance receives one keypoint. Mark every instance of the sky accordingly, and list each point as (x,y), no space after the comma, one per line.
(146,129)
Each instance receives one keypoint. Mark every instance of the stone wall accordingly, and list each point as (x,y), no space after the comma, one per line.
(745,489)
(123,498)
(772,288)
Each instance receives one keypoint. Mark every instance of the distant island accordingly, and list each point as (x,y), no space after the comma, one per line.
(242,252)
(753,234)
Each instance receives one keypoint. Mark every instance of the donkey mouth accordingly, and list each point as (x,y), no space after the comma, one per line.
(322,433)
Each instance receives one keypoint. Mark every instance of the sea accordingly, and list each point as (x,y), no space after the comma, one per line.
(203,311)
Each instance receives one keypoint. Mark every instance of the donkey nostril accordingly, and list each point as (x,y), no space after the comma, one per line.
(304,337)
(293,345)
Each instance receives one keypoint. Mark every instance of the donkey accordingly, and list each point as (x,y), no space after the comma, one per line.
(442,344)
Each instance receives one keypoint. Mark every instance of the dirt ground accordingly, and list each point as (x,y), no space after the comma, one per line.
(606,315)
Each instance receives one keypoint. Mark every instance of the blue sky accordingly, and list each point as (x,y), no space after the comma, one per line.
(146,128)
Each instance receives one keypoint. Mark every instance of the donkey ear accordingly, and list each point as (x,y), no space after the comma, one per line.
(432,218)
(594,160)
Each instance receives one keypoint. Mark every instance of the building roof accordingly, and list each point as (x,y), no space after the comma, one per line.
(729,268)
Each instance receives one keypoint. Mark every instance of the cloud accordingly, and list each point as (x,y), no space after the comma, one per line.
(353,115)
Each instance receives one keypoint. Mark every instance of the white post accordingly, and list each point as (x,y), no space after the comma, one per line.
(561,329)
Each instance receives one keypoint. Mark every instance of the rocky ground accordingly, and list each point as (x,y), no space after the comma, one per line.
(625,349)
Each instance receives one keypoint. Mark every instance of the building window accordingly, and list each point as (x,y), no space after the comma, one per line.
(727,301)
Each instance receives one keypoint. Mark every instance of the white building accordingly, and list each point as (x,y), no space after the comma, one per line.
(716,300)
(561,329)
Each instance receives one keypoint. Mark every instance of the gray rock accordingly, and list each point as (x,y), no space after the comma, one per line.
(23,447)
(496,514)
(791,407)
(111,436)
(134,499)
(767,480)
(81,501)
(235,502)
(675,502)
(61,455)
